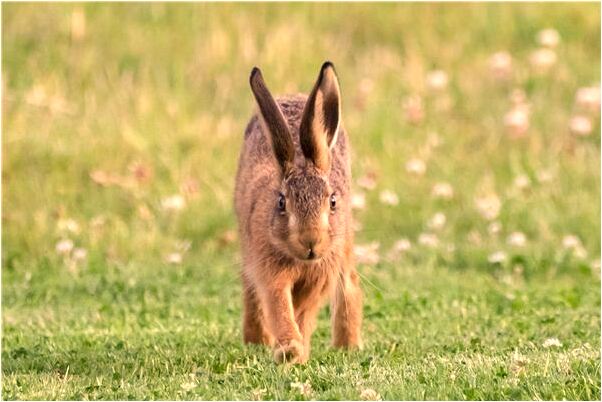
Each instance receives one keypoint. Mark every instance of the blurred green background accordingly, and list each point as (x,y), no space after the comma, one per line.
(476,159)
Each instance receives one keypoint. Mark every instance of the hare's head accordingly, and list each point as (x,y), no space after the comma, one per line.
(306,218)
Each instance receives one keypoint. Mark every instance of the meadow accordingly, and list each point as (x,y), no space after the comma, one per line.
(476,159)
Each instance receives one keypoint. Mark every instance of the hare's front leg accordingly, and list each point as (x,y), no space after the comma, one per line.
(347,310)
(254,330)
(278,306)
(307,323)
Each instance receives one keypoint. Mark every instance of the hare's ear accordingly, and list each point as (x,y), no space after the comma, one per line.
(320,122)
(273,120)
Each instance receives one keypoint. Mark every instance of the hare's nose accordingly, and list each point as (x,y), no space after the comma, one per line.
(309,242)
(309,245)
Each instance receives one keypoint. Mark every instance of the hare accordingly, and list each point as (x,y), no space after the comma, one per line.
(292,200)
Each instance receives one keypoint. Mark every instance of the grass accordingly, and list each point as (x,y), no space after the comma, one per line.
(102,124)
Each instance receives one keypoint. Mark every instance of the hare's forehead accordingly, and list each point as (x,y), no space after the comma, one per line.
(307,193)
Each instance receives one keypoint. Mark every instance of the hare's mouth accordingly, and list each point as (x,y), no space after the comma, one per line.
(308,255)
(303,253)
(312,257)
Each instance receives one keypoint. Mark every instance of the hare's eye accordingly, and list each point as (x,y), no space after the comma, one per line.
(281,202)
(333,201)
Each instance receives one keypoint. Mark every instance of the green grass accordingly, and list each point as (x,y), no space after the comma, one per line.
(166,86)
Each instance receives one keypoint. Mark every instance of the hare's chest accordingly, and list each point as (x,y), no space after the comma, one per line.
(310,290)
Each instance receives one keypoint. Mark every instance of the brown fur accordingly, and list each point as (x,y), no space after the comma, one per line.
(283,286)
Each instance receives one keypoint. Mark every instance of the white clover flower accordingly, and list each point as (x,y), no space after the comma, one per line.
(58,104)
(78,24)
(580,252)
(543,59)
(571,242)
(545,176)
(518,97)
(402,245)
(140,172)
(98,221)
(443,190)
(399,247)
(367,253)
(369,394)
(388,197)
(79,254)
(494,228)
(517,121)
(367,181)
(497,258)
(36,96)
(304,388)
(188,386)
(433,140)
(489,206)
(258,394)
(517,239)
(522,182)
(358,201)
(173,203)
(552,342)
(184,245)
(68,225)
(437,80)
(581,125)
(414,110)
(437,221)
(428,240)
(474,237)
(173,258)
(500,64)
(416,166)
(588,98)
(518,362)
(64,246)
(548,37)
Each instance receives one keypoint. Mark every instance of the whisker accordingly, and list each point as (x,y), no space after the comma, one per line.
(363,277)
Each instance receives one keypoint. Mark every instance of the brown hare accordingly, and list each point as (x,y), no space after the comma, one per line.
(292,201)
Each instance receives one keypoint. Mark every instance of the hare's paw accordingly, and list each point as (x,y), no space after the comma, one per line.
(349,344)
(291,352)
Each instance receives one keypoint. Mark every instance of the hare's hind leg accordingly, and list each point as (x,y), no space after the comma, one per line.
(254,330)
(346,309)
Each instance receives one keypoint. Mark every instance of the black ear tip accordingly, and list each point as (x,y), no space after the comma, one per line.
(254,73)
(327,64)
